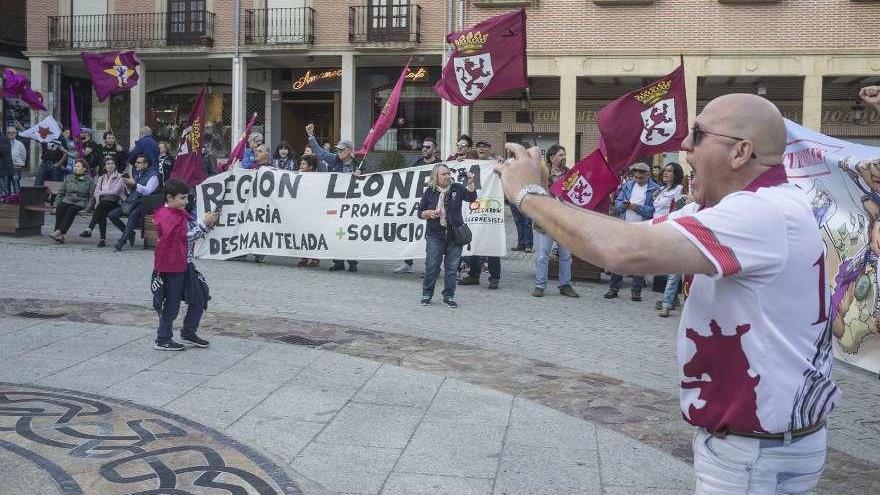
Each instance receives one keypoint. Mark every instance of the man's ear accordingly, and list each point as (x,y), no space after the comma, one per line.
(741,154)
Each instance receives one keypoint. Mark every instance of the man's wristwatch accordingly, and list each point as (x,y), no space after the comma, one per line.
(525,191)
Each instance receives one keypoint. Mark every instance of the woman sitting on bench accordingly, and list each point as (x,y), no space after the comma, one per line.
(73,197)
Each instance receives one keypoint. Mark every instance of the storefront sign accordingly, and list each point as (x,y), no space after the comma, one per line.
(318,79)
(340,216)
(329,79)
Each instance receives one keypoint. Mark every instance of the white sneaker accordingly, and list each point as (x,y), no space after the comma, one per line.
(404,268)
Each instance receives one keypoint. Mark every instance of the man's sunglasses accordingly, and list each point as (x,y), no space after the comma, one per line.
(700,133)
(427,146)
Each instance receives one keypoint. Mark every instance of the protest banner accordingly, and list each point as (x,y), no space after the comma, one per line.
(339,215)
(846,207)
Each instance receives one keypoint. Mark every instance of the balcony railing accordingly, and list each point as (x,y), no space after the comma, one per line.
(385,23)
(12,31)
(279,26)
(158,29)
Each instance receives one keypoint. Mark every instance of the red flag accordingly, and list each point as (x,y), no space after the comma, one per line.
(188,165)
(111,72)
(488,58)
(75,129)
(645,122)
(386,117)
(238,152)
(588,184)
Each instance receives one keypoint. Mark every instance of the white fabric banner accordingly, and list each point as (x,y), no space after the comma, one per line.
(338,215)
(846,207)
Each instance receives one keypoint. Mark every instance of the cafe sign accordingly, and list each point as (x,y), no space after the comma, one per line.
(329,79)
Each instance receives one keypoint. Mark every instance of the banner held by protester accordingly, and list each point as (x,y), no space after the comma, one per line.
(339,215)
(847,208)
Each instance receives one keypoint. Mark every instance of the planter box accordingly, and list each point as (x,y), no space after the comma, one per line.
(149,232)
(27,217)
(580,270)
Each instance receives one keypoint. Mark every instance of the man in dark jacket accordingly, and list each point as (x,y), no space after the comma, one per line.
(341,161)
(147,147)
(144,182)
(112,149)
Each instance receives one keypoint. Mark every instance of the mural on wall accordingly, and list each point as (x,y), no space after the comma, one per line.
(842,180)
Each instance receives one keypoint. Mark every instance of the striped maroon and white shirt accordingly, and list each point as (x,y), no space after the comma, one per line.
(754,343)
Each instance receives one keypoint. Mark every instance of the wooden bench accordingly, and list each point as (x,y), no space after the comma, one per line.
(26,217)
(149,232)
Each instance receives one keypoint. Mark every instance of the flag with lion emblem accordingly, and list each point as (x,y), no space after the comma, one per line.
(588,184)
(647,121)
(487,58)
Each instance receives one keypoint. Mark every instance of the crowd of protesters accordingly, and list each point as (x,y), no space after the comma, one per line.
(111,183)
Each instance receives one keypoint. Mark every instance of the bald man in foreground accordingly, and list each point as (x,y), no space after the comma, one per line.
(754,344)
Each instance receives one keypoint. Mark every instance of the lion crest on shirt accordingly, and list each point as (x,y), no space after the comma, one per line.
(727,385)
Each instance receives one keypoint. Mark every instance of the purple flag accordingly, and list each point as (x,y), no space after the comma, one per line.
(385,118)
(488,58)
(74,125)
(188,164)
(17,85)
(238,152)
(112,72)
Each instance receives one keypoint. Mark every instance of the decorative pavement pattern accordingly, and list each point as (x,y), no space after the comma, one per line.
(110,446)
(646,415)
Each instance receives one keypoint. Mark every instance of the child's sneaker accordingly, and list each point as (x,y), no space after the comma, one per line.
(194,341)
(169,345)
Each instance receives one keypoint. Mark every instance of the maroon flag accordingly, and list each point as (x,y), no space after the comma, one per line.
(488,58)
(588,184)
(386,117)
(188,165)
(17,85)
(238,152)
(75,128)
(647,121)
(112,72)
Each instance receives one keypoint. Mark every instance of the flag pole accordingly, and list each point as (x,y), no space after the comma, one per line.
(531,119)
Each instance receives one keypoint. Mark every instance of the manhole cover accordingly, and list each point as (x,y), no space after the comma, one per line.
(303,341)
(37,314)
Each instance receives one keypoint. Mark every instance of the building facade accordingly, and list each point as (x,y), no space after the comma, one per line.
(333,62)
(810,57)
(12,44)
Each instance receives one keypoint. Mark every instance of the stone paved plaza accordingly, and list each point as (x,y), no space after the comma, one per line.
(508,394)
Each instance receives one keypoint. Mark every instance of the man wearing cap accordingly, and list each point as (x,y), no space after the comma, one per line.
(341,161)
(754,344)
(484,151)
(634,203)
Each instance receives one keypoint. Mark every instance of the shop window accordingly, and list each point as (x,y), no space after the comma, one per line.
(418,117)
(524,117)
(168,110)
(492,117)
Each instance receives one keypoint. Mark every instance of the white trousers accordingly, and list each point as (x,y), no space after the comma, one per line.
(742,465)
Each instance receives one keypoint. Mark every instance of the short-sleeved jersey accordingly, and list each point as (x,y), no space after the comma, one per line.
(754,343)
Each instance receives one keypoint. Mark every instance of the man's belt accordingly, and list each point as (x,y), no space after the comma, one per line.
(801,432)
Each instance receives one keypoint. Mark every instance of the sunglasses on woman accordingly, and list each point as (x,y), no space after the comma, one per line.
(698,135)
